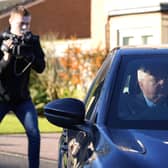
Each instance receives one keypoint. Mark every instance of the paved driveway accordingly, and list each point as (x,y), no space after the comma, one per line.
(14,148)
(12,161)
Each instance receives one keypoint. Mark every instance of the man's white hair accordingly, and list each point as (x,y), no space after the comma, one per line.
(141,74)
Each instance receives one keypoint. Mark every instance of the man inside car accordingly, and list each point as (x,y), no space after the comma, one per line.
(151,103)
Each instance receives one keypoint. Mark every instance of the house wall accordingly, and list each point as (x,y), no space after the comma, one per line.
(124,25)
(136,27)
(65,18)
(164,27)
(98,21)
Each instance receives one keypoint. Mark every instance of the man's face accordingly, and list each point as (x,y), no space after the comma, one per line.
(19,24)
(153,87)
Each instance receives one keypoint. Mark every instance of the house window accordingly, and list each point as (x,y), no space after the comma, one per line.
(127,40)
(147,39)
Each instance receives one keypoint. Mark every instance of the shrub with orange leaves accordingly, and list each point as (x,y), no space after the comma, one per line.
(80,67)
(66,76)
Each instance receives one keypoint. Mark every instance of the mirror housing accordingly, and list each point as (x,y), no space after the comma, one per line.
(65,113)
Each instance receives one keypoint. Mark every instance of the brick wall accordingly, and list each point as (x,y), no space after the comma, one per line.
(62,17)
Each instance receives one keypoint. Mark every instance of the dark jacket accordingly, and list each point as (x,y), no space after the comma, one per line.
(134,107)
(14,74)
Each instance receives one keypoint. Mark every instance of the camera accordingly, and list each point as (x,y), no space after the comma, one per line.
(21,44)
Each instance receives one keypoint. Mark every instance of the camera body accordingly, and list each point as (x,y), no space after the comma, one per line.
(20,44)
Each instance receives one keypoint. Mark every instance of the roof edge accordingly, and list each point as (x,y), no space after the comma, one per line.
(7,11)
(162,7)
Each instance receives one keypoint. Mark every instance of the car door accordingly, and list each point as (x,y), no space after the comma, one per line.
(77,146)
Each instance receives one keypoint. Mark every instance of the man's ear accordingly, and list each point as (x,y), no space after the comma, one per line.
(10,20)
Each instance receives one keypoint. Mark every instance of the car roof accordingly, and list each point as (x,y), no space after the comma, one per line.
(141,50)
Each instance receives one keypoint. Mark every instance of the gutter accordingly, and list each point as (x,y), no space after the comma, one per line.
(162,7)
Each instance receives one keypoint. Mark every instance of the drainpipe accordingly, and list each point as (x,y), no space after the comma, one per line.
(107,34)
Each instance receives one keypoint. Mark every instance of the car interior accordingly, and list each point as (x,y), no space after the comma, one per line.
(130,88)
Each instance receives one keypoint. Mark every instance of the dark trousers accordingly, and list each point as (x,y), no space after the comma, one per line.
(27,115)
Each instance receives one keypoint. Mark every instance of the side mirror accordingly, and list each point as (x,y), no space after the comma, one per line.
(65,113)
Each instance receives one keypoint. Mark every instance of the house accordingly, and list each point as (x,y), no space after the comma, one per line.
(65,18)
(104,23)
(137,22)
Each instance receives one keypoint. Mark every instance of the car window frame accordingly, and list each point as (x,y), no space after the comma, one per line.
(131,124)
(97,82)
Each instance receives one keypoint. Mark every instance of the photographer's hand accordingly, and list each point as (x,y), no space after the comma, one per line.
(6,56)
(6,45)
(5,59)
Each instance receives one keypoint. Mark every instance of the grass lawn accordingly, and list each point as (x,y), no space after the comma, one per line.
(11,125)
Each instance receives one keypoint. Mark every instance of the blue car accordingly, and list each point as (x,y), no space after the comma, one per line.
(123,121)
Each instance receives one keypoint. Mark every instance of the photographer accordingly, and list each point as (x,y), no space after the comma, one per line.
(20,51)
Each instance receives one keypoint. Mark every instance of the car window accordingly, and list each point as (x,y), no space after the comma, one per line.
(96,87)
(143,92)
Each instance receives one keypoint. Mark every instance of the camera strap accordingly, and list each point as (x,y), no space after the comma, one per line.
(23,70)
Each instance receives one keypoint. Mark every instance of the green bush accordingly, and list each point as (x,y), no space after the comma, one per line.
(38,92)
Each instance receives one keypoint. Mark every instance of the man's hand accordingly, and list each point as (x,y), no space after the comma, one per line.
(6,56)
(6,47)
